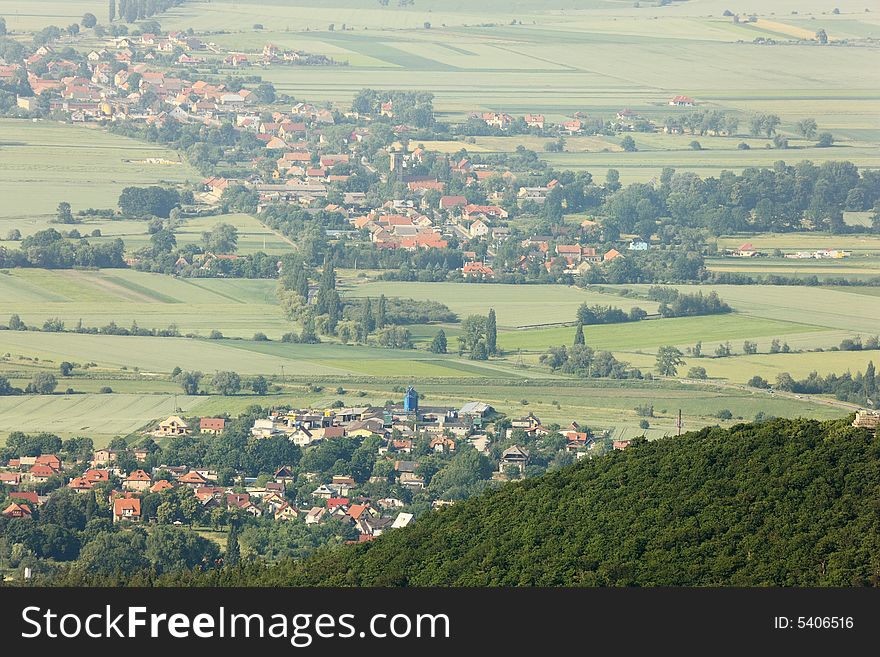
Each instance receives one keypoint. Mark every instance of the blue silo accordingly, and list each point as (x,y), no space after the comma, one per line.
(411,400)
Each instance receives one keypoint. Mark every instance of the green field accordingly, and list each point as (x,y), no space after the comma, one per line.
(43,163)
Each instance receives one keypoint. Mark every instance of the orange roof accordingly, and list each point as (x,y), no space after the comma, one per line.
(159,486)
(123,504)
(138,475)
(192,477)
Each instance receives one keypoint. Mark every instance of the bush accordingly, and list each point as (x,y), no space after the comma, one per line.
(724,414)
(106,390)
(697,373)
(644,424)
(758,382)
(259,336)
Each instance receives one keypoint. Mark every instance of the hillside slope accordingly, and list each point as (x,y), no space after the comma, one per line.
(784,503)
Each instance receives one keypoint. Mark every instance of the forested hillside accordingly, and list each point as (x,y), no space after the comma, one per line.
(780,503)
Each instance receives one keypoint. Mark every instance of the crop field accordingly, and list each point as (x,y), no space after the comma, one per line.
(238,307)
(44,163)
(253,236)
(856,268)
(804,241)
(515,305)
(578,56)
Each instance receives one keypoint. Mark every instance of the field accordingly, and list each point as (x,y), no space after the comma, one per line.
(530,319)
(583,56)
(43,163)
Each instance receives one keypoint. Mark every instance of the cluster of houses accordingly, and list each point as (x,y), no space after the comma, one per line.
(625,119)
(748,250)
(299,166)
(397,426)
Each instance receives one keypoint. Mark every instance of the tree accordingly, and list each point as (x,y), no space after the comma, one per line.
(260,385)
(16,323)
(232,556)
(758,382)
(381,310)
(491,334)
(628,144)
(2,26)
(88,20)
(826,139)
(64,215)
(579,334)
(189,382)
(143,201)
(223,238)
(750,347)
(473,331)
(13,235)
(226,383)
(807,128)
(43,383)
(438,344)
(111,11)
(821,36)
(697,373)
(163,241)
(668,360)
(65,368)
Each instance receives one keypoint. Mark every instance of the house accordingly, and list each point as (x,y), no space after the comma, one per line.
(611,255)
(476,409)
(49,459)
(137,481)
(528,423)
(126,509)
(535,121)
(161,485)
(638,245)
(622,443)
(867,419)
(315,515)
(40,473)
(173,426)
(17,510)
(192,479)
(283,474)
(478,229)
(411,480)
(10,478)
(477,270)
(682,101)
(323,492)
(27,497)
(449,202)
(342,484)
(515,457)
(746,251)
(402,520)
(442,444)
(286,512)
(212,425)
(104,457)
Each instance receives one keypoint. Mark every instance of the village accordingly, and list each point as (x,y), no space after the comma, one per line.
(307,163)
(408,442)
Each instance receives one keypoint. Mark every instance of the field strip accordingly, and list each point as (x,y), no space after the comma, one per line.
(133,291)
